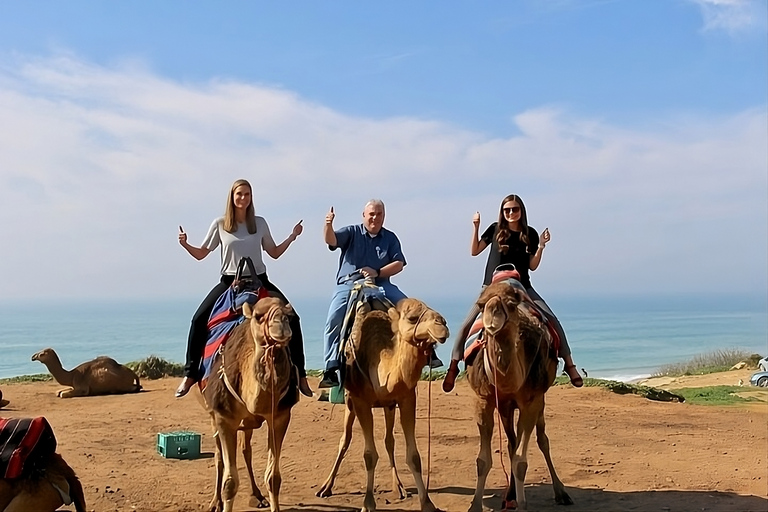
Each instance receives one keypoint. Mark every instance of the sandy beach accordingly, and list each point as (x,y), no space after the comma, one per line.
(613,452)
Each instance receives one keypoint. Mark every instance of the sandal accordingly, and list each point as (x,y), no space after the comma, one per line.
(573,374)
(185,386)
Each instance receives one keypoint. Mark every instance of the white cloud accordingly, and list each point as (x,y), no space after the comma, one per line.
(99,166)
(732,15)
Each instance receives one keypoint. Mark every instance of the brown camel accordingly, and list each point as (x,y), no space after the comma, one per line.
(100,376)
(3,402)
(384,363)
(53,485)
(513,371)
(256,382)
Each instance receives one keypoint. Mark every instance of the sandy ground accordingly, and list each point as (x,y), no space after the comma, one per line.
(613,452)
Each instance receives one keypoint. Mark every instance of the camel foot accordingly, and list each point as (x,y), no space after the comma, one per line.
(508,505)
(256,502)
(401,492)
(215,506)
(326,491)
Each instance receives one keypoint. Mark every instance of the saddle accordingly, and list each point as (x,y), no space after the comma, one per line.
(25,444)
(475,342)
(363,291)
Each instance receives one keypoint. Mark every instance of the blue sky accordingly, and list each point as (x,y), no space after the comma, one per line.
(636,131)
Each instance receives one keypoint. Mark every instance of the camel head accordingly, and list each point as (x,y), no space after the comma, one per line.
(414,322)
(45,356)
(501,321)
(269,321)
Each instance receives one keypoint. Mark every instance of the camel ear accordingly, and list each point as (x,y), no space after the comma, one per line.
(247,310)
(394,316)
(289,310)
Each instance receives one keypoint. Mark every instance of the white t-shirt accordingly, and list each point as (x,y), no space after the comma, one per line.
(239,244)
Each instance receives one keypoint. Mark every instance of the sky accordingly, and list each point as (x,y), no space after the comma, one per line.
(636,131)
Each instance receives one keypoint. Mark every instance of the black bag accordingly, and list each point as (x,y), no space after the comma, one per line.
(249,283)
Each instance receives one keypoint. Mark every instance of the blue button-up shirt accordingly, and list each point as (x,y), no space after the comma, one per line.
(361,249)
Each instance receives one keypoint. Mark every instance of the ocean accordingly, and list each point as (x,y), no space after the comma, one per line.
(618,338)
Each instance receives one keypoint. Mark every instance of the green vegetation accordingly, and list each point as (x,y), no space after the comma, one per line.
(37,377)
(714,395)
(154,367)
(623,388)
(711,362)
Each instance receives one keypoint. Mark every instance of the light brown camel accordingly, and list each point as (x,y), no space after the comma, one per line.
(384,363)
(100,376)
(514,370)
(256,383)
(53,485)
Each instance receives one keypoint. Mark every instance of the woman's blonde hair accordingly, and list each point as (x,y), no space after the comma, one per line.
(230,224)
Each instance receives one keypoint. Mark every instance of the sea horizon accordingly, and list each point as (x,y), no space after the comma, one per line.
(612,337)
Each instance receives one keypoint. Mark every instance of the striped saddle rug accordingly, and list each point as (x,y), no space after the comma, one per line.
(25,443)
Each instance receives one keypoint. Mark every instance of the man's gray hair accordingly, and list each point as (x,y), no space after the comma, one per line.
(375,202)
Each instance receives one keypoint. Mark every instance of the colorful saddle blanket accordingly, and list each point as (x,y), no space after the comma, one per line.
(475,337)
(227,314)
(24,444)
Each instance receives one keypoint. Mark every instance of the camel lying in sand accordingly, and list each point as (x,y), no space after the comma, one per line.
(53,485)
(101,376)
(384,363)
(254,384)
(514,370)
(3,402)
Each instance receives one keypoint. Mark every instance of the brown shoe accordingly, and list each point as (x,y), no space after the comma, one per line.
(573,374)
(450,376)
(304,387)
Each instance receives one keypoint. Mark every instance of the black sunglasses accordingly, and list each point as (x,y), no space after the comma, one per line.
(514,209)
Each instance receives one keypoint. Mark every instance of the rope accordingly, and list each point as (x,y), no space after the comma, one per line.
(429,427)
(501,425)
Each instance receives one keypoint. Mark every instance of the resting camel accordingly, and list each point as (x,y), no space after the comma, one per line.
(3,402)
(255,383)
(100,376)
(384,363)
(513,370)
(52,485)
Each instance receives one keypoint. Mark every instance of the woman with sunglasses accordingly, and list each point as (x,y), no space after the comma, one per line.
(514,242)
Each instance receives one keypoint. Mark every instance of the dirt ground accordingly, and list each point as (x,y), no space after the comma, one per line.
(613,452)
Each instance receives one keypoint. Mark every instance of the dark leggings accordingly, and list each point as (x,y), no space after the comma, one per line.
(457,354)
(198,331)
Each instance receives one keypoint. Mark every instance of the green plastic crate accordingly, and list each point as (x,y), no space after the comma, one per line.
(337,395)
(179,445)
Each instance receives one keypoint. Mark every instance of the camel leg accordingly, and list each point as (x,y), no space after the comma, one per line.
(529,414)
(412,456)
(389,442)
(277,427)
(6,493)
(484,415)
(216,505)
(227,434)
(72,392)
(507,414)
(370,455)
(349,420)
(257,499)
(542,440)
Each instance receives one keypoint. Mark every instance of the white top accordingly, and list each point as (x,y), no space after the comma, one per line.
(239,244)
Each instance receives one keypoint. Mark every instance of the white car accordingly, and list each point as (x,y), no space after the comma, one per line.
(763,364)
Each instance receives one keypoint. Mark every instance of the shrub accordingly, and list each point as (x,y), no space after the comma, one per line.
(717,361)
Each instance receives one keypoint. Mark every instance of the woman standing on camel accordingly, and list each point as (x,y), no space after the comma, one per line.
(513,241)
(241,234)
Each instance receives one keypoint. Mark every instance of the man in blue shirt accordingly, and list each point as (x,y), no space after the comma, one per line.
(368,249)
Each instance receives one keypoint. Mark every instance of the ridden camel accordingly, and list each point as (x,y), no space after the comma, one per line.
(255,384)
(52,485)
(100,376)
(383,368)
(513,370)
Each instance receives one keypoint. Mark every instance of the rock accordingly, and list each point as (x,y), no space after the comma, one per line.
(739,366)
